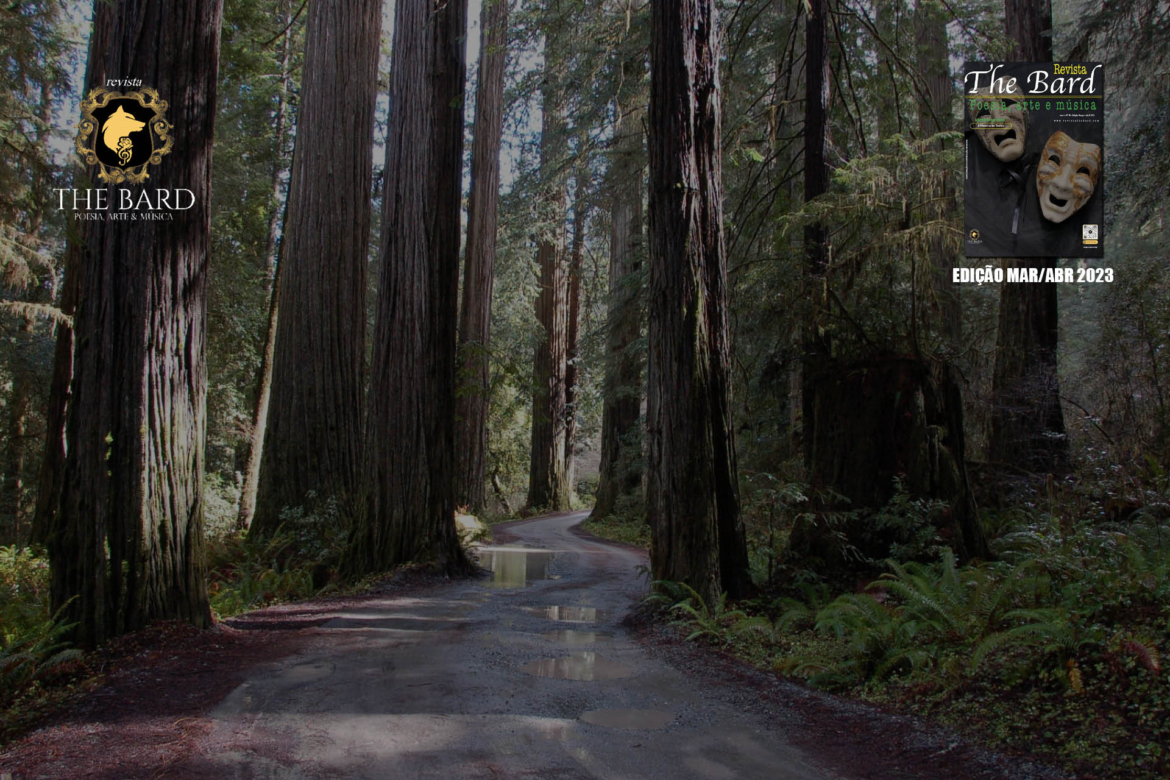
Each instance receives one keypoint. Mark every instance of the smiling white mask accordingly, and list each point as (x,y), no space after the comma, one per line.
(1066,176)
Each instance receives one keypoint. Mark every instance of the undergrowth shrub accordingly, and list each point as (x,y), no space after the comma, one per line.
(296,562)
(627,524)
(32,643)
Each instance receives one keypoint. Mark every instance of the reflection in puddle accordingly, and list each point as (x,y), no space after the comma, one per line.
(515,567)
(571,637)
(578,666)
(629,719)
(566,614)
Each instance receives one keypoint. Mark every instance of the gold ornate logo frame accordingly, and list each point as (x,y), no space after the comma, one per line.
(160,133)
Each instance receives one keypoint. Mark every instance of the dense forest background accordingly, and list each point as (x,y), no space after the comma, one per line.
(864,408)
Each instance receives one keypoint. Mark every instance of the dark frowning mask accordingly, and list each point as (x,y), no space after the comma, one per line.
(1066,176)
(1002,127)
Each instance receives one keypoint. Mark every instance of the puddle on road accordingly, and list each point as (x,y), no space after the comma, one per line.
(578,666)
(515,567)
(629,719)
(566,614)
(570,637)
(307,672)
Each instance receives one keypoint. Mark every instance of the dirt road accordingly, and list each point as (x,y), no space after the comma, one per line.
(527,674)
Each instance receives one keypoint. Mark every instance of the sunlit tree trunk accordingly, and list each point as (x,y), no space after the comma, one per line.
(475,309)
(1027,422)
(692,492)
(548,482)
(573,337)
(126,545)
(313,437)
(409,486)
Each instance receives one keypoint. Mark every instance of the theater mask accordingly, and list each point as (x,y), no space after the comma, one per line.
(1066,176)
(1008,130)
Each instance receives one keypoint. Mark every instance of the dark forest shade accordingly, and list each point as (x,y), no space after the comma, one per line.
(816,182)
(1027,421)
(548,480)
(692,492)
(133,476)
(409,486)
(475,310)
(313,439)
(621,442)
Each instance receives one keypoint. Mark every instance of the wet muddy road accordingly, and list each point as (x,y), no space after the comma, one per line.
(526,674)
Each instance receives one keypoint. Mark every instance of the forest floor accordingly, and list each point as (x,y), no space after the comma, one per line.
(540,670)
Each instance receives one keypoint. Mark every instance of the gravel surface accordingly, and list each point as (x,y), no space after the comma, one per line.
(537,670)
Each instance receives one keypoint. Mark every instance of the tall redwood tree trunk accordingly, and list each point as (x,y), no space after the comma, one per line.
(409,486)
(313,437)
(548,481)
(573,337)
(816,183)
(620,433)
(126,544)
(934,116)
(475,311)
(1027,422)
(692,493)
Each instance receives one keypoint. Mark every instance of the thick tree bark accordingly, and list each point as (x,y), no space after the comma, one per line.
(126,545)
(475,311)
(249,491)
(879,419)
(816,183)
(1027,422)
(313,437)
(692,493)
(409,485)
(621,441)
(548,483)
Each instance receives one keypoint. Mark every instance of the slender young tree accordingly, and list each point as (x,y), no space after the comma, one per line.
(475,310)
(409,485)
(126,542)
(1027,422)
(548,481)
(313,437)
(251,484)
(621,408)
(692,493)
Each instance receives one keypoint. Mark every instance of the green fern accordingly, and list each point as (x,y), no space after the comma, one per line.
(35,655)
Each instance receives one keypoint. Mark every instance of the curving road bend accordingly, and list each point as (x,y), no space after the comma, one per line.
(528,673)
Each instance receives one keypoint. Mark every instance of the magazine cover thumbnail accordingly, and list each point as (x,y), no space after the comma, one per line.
(1033,157)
